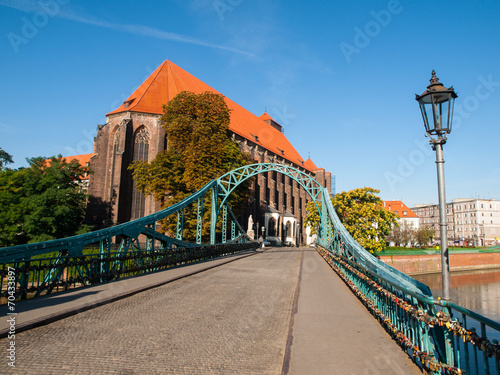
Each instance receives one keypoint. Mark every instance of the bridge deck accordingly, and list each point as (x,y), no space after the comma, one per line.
(233,319)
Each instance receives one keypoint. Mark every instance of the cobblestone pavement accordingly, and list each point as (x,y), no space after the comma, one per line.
(229,320)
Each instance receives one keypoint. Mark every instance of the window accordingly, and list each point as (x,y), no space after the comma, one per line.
(405,213)
(288,229)
(141,152)
(271,227)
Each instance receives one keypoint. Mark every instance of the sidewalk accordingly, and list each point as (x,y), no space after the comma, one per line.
(333,333)
(36,312)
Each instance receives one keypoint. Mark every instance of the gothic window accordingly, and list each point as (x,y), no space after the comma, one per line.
(271,227)
(288,230)
(141,152)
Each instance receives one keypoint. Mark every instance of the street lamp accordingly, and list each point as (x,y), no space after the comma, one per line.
(436,105)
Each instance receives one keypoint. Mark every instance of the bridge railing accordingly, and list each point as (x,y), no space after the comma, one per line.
(134,247)
(39,276)
(440,336)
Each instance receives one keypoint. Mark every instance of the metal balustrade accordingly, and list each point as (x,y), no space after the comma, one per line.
(440,336)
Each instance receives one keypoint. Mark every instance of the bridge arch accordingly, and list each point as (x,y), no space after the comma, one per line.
(231,180)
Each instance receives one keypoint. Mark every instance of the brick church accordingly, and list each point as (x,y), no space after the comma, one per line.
(133,132)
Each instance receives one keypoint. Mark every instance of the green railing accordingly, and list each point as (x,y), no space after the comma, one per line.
(41,276)
(439,336)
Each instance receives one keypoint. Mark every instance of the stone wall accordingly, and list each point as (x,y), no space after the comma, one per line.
(421,264)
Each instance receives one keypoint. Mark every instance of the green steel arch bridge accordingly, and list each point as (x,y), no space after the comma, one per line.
(441,337)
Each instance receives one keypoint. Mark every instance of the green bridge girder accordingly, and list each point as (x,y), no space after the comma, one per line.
(402,303)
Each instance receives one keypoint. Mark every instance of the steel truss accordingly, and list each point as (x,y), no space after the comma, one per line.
(426,328)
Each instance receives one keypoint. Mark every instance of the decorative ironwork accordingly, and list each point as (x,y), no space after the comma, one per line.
(440,336)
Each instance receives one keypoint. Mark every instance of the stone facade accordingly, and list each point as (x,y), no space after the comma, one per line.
(473,222)
(131,133)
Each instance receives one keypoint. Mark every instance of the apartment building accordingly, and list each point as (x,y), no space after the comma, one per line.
(470,221)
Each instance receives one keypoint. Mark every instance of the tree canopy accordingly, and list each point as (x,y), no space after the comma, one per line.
(362,214)
(199,149)
(5,158)
(42,202)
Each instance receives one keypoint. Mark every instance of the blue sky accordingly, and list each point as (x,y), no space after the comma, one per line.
(340,76)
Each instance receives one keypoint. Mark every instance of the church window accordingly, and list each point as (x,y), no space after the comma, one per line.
(141,152)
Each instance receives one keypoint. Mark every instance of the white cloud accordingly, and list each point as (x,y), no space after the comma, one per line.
(31,6)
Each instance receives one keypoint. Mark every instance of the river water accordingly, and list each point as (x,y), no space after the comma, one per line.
(476,290)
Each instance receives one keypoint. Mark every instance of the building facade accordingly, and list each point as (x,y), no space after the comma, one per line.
(407,218)
(474,222)
(133,132)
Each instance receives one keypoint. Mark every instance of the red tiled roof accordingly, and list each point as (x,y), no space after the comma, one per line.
(400,207)
(168,80)
(309,164)
(265,116)
(83,160)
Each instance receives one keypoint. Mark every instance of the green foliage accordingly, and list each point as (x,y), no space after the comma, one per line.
(361,212)
(42,202)
(312,218)
(5,158)
(424,235)
(363,215)
(199,150)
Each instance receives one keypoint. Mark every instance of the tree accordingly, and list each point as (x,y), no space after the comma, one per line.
(362,214)
(312,218)
(402,234)
(199,150)
(42,202)
(12,208)
(5,158)
(424,235)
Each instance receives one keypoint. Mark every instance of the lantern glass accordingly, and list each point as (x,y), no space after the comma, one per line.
(437,112)
(436,105)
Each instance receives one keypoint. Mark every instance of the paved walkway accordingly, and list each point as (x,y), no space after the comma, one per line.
(333,333)
(232,319)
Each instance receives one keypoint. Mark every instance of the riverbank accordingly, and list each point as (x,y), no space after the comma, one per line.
(422,264)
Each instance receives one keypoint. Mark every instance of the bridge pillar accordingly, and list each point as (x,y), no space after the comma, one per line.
(214,214)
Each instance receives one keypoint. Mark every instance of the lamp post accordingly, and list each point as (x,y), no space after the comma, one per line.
(436,105)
